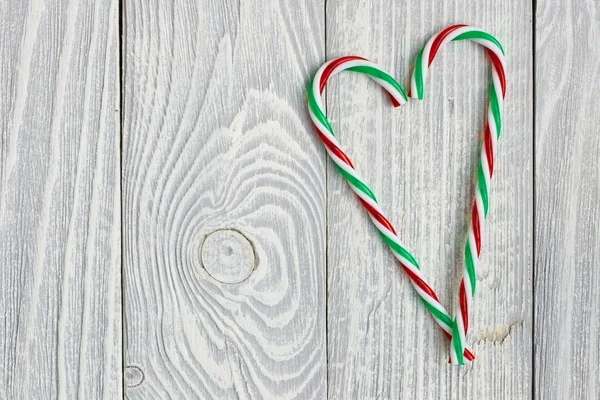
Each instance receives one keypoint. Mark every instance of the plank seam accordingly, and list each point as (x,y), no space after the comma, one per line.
(533,196)
(121,127)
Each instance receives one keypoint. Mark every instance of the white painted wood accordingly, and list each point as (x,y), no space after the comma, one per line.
(567,281)
(216,136)
(225,194)
(60,231)
(421,161)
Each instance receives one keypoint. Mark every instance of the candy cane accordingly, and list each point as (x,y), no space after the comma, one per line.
(486,163)
(365,195)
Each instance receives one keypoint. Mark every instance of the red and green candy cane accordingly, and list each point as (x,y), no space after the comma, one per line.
(364,193)
(486,163)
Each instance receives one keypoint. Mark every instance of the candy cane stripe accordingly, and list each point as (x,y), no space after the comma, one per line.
(499,68)
(495,108)
(378,216)
(356,183)
(497,93)
(334,149)
(437,42)
(478,34)
(366,197)
(475,227)
(332,66)
(488,149)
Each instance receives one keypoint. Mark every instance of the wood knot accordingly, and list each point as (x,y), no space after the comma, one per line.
(227,256)
(134,376)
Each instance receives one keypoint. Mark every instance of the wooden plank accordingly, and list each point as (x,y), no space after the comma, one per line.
(60,255)
(567,305)
(421,161)
(223,178)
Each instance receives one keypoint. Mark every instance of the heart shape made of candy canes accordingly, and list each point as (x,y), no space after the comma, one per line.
(454,329)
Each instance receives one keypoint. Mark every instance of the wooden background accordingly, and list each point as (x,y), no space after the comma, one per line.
(170,226)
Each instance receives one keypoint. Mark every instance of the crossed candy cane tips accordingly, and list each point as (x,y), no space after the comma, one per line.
(486,163)
(364,193)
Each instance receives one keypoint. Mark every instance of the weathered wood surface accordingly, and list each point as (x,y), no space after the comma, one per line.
(250,271)
(421,160)
(567,245)
(60,230)
(217,138)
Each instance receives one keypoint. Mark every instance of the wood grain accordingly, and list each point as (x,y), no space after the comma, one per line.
(567,282)
(250,269)
(60,280)
(216,136)
(421,161)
